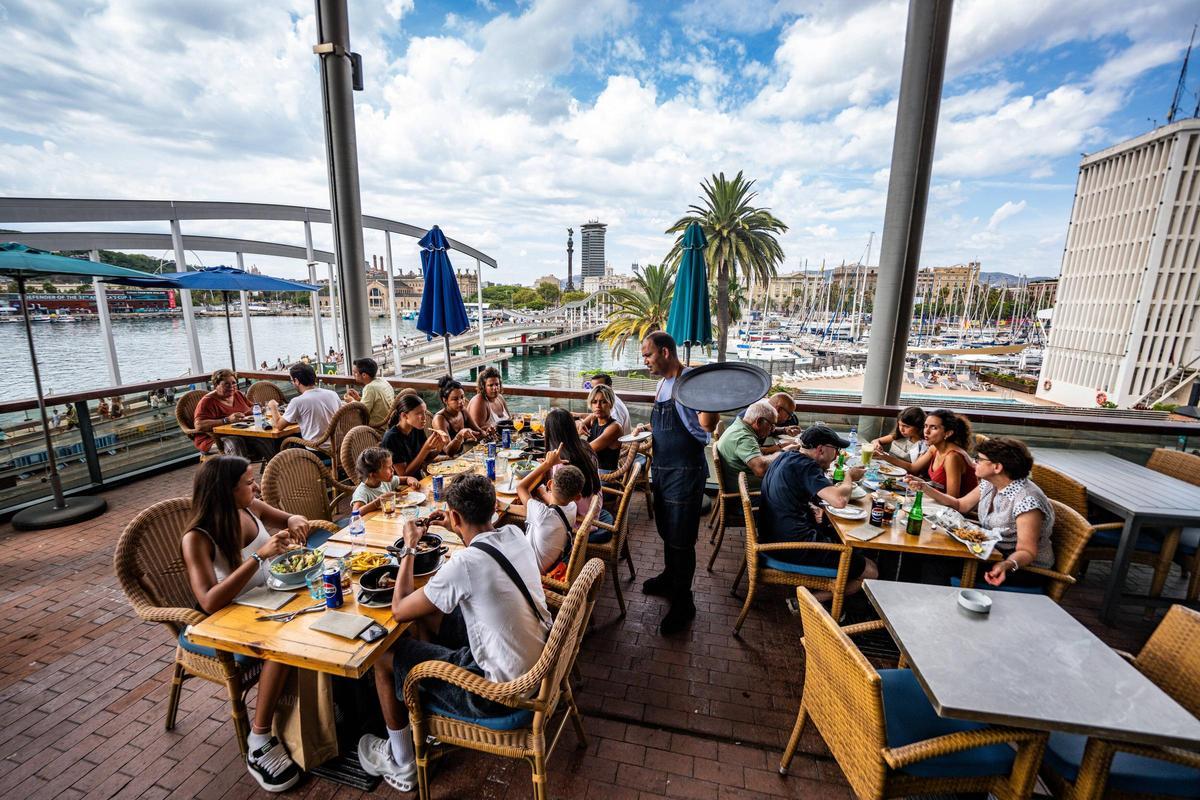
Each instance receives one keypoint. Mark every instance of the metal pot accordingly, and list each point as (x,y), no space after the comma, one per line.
(368,583)
(428,560)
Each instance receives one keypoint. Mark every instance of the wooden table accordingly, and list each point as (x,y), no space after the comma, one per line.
(931,542)
(1027,664)
(256,432)
(1139,496)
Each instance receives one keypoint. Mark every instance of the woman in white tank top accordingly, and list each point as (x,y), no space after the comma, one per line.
(224,549)
(488,407)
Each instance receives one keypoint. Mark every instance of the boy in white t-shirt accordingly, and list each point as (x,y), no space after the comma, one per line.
(550,508)
(486,620)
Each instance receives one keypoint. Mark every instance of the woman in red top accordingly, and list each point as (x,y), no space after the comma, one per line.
(224,404)
(946,460)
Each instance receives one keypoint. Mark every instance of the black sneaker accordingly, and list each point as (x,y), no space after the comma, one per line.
(272,767)
(678,618)
(658,586)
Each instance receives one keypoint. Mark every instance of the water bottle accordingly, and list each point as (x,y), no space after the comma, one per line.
(853,440)
(258,415)
(357,529)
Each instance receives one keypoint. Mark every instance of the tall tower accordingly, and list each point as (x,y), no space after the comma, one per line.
(591,263)
(570,258)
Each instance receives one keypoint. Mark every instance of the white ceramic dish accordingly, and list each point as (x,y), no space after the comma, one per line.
(975,601)
(892,471)
(636,437)
(850,512)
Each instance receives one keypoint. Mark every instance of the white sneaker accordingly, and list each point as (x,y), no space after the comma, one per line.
(375,755)
(272,767)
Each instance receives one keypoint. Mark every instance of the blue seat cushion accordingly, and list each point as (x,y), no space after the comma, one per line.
(1147,542)
(1004,587)
(519,718)
(201,650)
(1189,541)
(908,718)
(319,536)
(767,562)
(1129,772)
(599,536)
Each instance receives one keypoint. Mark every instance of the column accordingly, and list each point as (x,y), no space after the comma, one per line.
(333,312)
(479,295)
(106,332)
(391,288)
(246,330)
(185,300)
(314,298)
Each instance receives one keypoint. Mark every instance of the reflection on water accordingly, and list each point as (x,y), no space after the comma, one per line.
(71,355)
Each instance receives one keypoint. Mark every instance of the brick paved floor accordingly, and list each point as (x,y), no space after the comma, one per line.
(83,686)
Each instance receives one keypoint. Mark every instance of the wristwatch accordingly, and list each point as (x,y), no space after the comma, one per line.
(257,558)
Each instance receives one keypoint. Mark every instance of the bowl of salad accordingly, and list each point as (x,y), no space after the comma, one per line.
(293,568)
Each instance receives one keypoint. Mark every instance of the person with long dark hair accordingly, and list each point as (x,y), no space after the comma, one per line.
(453,418)
(488,407)
(906,442)
(560,430)
(224,548)
(411,446)
(946,461)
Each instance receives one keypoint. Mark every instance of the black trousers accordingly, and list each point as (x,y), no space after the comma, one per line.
(678,497)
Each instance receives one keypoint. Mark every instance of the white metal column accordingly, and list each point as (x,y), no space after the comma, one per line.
(185,300)
(314,298)
(106,332)
(247,331)
(479,294)
(391,301)
(333,312)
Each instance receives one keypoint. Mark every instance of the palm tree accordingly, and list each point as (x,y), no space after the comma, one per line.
(741,240)
(641,309)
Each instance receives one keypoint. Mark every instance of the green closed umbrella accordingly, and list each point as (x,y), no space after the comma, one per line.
(689,321)
(21,262)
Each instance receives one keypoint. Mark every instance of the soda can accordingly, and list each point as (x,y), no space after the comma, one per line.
(491,450)
(877,513)
(491,468)
(437,488)
(333,587)
(506,438)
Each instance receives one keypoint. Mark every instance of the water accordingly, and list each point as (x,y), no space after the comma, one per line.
(71,355)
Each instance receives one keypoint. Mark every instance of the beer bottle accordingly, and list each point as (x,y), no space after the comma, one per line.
(915,517)
(839,470)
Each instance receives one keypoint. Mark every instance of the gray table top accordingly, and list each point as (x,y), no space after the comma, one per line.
(1027,664)
(1124,484)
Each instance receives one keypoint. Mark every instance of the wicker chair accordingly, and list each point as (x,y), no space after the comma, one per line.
(578,551)
(879,725)
(761,567)
(537,693)
(329,442)
(616,548)
(263,391)
(297,482)
(616,477)
(1151,551)
(1089,769)
(1186,467)
(727,507)
(642,484)
(185,416)
(149,564)
(357,439)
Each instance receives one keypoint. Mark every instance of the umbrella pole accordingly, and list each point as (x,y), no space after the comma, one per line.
(449,366)
(229,330)
(687,353)
(55,481)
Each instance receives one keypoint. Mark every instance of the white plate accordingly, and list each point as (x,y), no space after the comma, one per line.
(507,486)
(411,499)
(858,493)
(850,512)
(636,437)
(510,454)
(892,471)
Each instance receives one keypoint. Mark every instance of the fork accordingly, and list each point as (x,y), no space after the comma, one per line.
(288,616)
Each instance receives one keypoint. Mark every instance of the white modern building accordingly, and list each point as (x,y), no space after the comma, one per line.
(591,262)
(1127,318)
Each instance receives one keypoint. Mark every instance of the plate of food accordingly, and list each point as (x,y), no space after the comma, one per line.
(291,569)
(450,469)
(636,437)
(858,493)
(364,560)
(892,471)
(512,454)
(849,512)
(507,486)
(978,540)
(410,499)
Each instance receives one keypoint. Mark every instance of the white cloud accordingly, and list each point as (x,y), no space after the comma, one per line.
(1006,211)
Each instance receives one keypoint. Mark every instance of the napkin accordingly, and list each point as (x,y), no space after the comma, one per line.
(340,623)
(864,533)
(262,597)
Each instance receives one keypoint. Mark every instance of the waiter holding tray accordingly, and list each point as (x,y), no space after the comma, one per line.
(680,470)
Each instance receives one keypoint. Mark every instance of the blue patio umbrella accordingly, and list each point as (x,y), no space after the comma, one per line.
(442,310)
(21,263)
(224,280)
(689,321)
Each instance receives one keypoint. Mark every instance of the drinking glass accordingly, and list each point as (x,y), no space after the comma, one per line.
(387,502)
(518,423)
(316,586)
(866,453)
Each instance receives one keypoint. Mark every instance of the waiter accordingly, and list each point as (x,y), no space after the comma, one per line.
(680,472)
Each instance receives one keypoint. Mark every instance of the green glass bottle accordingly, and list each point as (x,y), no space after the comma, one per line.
(915,517)
(839,469)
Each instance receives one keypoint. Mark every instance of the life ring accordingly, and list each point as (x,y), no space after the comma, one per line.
(1046,384)
(1101,398)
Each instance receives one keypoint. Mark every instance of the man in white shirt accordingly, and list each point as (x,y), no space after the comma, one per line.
(620,411)
(313,408)
(488,621)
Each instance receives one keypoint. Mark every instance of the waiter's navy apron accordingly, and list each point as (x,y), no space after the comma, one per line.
(680,472)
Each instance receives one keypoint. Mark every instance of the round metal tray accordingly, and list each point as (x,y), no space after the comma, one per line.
(718,388)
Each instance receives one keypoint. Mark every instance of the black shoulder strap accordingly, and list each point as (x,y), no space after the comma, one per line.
(513,575)
(566,553)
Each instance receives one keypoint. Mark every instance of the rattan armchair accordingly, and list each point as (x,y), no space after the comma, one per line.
(617,547)
(616,477)
(539,692)
(185,415)
(297,482)
(646,449)
(864,716)
(1186,467)
(760,565)
(357,439)
(578,551)
(1091,769)
(1151,551)
(149,564)
(330,440)
(262,392)
(727,507)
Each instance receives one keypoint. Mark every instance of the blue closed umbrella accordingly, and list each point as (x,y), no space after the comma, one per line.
(224,280)
(688,321)
(442,310)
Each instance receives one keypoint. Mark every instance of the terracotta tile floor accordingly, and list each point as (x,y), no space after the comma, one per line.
(83,686)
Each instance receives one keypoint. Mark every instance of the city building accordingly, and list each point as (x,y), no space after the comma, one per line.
(591,261)
(1042,292)
(550,279)
(955,278)
(409,288)
(1127,319)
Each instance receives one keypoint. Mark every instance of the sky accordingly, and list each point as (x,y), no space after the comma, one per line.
(508,122)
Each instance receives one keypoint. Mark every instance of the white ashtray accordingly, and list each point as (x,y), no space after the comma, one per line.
(976,601)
